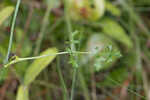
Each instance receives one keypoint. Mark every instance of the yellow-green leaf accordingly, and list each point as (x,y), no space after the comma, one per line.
(114,30)
(23,93)
(112,9)
(38,65)
(5,13)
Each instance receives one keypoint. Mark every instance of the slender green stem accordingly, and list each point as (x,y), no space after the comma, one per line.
(130,90)
(42,56)
(138,62)
(12,31)
(46,77)
(73,82)
(135,17)
(69,27)
(62,80)
(72,46)
(136,41)
(54,26)
(84,85)
(43,29)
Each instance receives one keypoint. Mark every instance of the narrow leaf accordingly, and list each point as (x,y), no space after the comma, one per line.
(38,65)
(114,30)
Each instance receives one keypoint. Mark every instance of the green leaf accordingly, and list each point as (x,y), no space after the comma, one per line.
(5,13)
(114,30)
(38,65)
(113,9)
(23,93)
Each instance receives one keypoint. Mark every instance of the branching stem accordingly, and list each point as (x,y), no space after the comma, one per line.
(42,56)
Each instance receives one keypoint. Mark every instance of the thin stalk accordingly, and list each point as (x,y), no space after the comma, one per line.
(146,85)
(139,66)
(137,44)
(72,46)
(42,30)
(135,17)
(58,22)
(43,56)
(73,83)
(84,85)
(130,90)
(62,80)
(12,31)
(48,97)
(138,63)
(26,28)
(93,84)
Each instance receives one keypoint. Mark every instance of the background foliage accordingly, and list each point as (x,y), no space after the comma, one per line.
(75,50)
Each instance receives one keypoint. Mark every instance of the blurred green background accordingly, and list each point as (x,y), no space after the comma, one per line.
(106,45)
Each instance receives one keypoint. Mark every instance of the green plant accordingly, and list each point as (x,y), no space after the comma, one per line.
(115,47)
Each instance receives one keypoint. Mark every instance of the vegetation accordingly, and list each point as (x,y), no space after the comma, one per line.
(74,50)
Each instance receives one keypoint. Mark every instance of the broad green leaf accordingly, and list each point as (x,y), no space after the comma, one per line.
(23,93)
(114,30)
(38,65)
(5,13)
